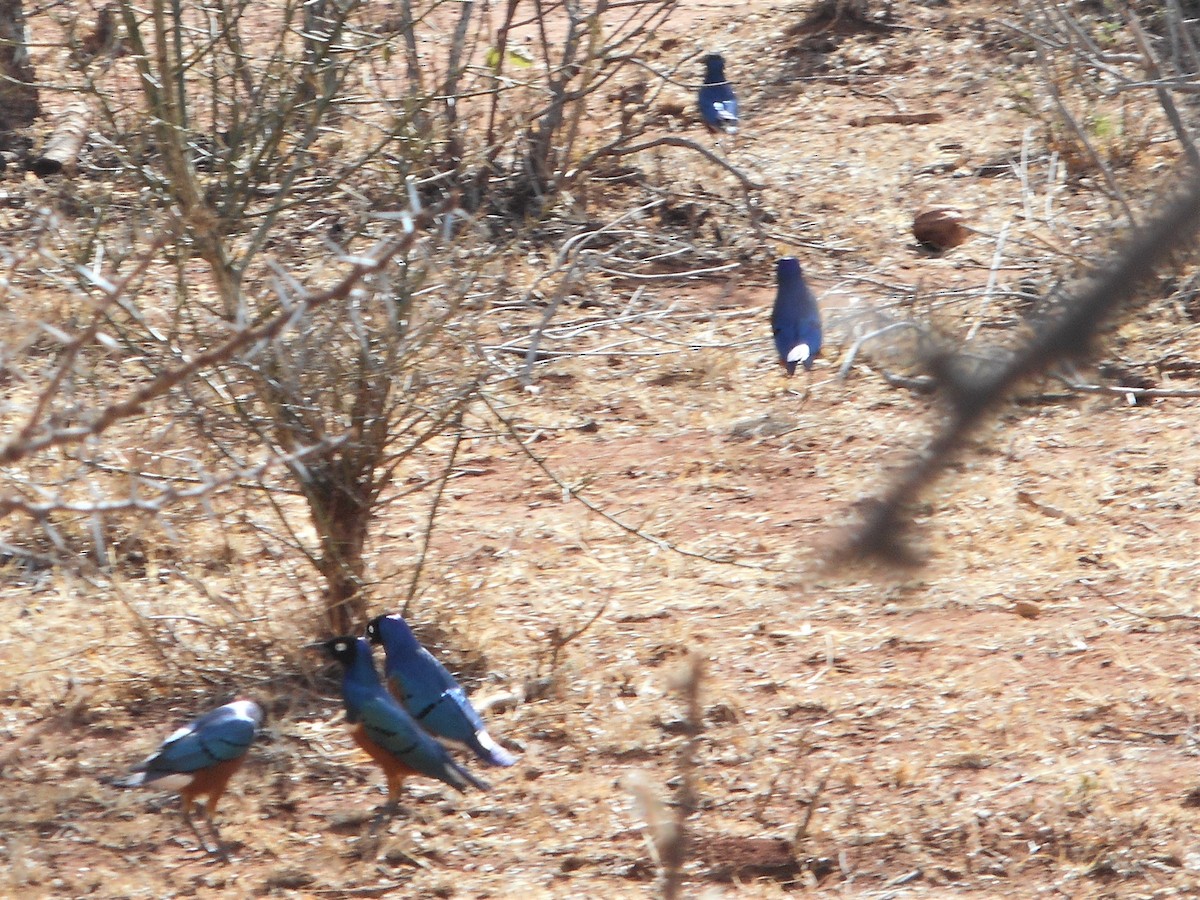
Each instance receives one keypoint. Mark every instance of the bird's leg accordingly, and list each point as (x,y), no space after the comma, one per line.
(388,810)
(187,817)
(218,848)
(386,813)
(368,844)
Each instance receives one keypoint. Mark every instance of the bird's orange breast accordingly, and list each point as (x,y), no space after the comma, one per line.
(391,764)
(211,781)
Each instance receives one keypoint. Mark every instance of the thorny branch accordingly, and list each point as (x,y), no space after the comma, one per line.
(166,494)
(26,445)
(972,395)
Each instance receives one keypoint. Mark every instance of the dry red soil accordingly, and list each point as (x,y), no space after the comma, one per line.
(1013,717)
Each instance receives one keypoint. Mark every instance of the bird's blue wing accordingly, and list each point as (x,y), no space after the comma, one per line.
(796,322)
(718,106)
(438,702)
(420,678)
(388,725)
(214,738)
(464,725)
(454,719)
(451,716)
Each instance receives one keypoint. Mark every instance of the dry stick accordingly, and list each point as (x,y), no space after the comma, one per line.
(63,146)
(573,494)
(454,70)
(1023,174)
(852,353)
(615,149)
(457,423)
(997,258)
(559,641)
(73,346)
(166,494)
(1182,35)
(1160,617)
(272,327)
(1129,392)
(1052,87)
(502,52)
(972,397)
(809,808)
(1150,64)
(67,712)
(590,69)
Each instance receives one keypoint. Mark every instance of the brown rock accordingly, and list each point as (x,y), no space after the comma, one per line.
(940,228)
(1027,609)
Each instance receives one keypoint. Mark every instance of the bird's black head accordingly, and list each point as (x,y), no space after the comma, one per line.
(714,69)
(787,269)
(344,649)
(373,634)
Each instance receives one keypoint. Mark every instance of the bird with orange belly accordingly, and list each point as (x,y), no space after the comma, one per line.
(385,732)
(430,693)
(198,760)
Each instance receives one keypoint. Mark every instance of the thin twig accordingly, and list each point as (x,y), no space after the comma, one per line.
(571,493)
(25,445)
(618,149)
(1051,84)
(434,506)
(997,257)
(1069,334)
(1153,617)
(1150,63)
(1128,392)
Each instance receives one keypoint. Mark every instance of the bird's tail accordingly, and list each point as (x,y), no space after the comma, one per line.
(133,779)
(490,752)
(459,778)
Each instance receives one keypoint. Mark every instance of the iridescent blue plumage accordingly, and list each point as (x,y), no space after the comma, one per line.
(199,759)
(384,724)
(718,104)
(220,736)
(430,693)
(795,321)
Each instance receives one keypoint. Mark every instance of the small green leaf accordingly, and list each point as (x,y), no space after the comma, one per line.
(519,57)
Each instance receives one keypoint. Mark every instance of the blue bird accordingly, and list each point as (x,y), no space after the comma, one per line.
(200,758)
(795,321)
(388,734)
(430,693)
(718,104)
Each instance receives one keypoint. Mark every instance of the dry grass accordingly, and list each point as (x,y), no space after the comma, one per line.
(864,731)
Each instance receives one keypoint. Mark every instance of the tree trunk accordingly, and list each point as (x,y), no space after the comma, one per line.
(18,96)
(341,509)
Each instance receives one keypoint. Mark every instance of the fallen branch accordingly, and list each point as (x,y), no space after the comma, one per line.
(63,146)
(1153,617)
(1133,394)
(616,149)
(898,119)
